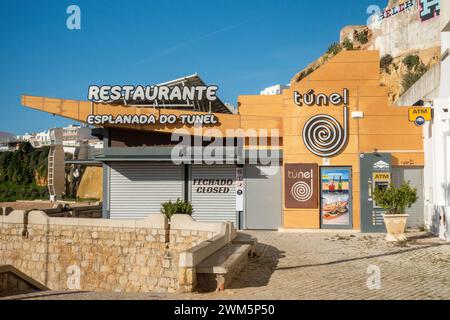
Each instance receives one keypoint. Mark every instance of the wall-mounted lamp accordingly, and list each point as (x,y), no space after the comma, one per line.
(357,115)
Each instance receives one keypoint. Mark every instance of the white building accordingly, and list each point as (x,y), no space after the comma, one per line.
(274,90)
(72,137)
(437,143)
(41,139)
(25,137)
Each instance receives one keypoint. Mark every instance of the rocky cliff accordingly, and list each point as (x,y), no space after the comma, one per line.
(407,38)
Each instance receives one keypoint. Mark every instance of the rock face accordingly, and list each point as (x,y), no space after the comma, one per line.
(40,180)
(90,186)
(398,30)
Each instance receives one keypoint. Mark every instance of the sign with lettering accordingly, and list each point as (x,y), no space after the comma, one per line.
(212,185)
(381,177)
(301,186)
(322,134)
(429,9)
(390,12)
(143,119)
(420,115)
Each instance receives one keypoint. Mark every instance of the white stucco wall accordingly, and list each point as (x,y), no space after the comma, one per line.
(437,143)
(437,170)
(445,15)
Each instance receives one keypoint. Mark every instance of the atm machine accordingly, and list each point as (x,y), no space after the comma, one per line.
(376,173)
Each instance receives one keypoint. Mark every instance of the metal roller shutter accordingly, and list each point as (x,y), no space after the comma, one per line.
(415,177)
(137,189)
(214,206)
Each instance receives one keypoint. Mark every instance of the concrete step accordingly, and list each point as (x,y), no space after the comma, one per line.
(13,282)
(218,270)
(243,238)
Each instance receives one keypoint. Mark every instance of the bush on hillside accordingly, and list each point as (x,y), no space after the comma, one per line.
(411,77)
(385,62)
(347,44)
(411,62)
(334,48)
(362,37)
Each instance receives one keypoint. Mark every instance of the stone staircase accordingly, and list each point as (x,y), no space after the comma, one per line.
(13,282)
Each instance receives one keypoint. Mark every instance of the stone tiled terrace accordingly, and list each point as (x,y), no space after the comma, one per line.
(324,266)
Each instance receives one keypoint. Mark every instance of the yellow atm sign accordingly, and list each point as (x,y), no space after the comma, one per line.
(420,115)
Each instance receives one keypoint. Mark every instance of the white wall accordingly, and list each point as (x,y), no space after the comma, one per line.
(437,170)
(445,15)
(437,144)
(405,32)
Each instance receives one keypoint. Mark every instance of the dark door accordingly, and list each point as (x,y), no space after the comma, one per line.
(263,197)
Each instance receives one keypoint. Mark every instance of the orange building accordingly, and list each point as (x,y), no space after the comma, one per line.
(338,139)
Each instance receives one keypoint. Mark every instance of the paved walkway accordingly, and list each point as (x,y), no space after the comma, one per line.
(326,266)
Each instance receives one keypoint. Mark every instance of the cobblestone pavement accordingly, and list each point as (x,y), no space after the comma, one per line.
(325,266)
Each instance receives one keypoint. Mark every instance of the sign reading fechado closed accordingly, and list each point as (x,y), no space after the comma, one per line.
(212,185)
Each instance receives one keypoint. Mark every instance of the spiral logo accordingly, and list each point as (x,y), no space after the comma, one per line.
(324,136)
(301,191)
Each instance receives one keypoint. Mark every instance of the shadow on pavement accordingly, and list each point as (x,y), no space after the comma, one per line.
(365,257)
(259,269)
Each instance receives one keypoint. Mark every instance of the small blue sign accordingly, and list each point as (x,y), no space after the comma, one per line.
(420,121)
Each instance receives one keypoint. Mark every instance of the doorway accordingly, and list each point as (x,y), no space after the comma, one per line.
(263,198)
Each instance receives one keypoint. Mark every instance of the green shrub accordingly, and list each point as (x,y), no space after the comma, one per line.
(347,44)
(395,200)
(334,48)
(411,62)
(385,62)
(362,37)
(412,77)
(17,173)
(178,207)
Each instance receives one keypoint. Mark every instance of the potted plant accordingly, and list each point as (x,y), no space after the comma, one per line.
(178,207)
(395,201)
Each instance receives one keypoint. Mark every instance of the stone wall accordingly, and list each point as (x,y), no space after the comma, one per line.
(99,254)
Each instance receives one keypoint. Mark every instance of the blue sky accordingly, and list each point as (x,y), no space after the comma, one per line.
(241,46)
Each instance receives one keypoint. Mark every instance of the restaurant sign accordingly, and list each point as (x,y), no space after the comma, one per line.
(143,119)
(169,97)
(322,134)
(301,185)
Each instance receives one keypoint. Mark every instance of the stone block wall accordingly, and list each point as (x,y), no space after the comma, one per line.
(97,254)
